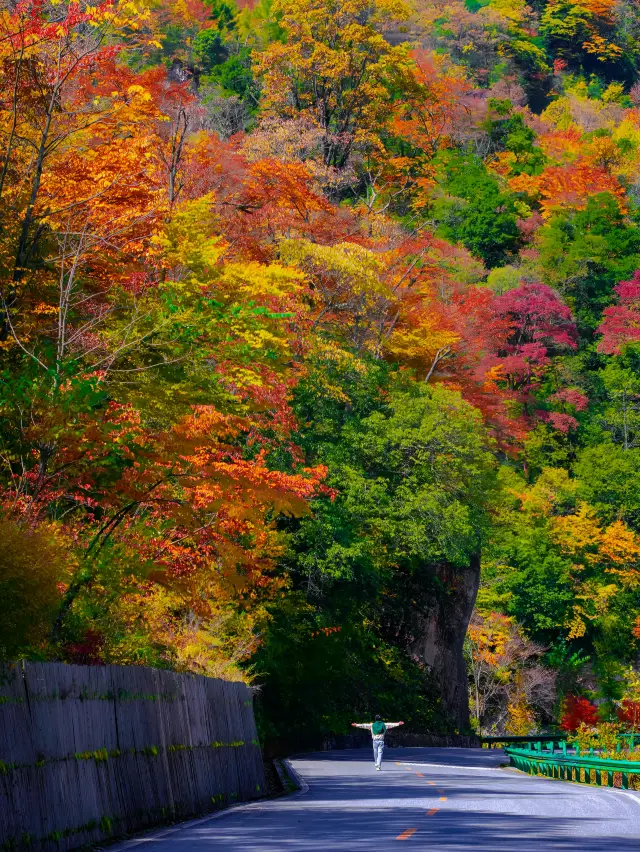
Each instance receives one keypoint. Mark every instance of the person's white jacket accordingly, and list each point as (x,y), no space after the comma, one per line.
(369,725)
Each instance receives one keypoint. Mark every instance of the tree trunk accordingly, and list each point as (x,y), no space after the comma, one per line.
(439,638)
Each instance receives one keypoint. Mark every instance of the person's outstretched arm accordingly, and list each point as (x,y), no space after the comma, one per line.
(365,725)
(393,724)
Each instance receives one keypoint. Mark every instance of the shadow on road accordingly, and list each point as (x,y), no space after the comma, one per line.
(452,807)
(324,829)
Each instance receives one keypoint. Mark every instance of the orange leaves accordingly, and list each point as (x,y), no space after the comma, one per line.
(490,637)
(598,8)
(562,145)
(272,199)
(616,547)
(506,674)
(213,470)
(621,548)
(571,186)
(427,112)
(620,545)
(325,631)
(284,187)
(425,117)
(207,423)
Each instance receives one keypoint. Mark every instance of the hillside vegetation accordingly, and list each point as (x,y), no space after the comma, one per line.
(315,318)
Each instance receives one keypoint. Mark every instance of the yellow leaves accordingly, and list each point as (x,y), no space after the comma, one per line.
(489,637)
(513,10)
(619,544)
(189,239)
(139,92)
(213,643)
(621,547)
(344,274)
(559,114)
(604,49)
(126,16)
(581,536)
(35,562)
(257,281)
(613,93)
(576,627)
(334,67)
(578,533)
(521,720)
(614,549)
(552,490)
(592,601)
(42,309)
(419,344)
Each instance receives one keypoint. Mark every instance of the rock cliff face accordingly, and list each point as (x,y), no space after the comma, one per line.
(438,631)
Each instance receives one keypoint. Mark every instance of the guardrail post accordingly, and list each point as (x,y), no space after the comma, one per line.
(564,748)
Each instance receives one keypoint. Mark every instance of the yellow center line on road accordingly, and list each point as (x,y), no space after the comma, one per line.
(406,834)
(443,798)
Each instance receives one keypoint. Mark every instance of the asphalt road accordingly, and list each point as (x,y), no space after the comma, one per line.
(424,799)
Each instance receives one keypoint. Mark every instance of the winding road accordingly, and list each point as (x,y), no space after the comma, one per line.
(424,799)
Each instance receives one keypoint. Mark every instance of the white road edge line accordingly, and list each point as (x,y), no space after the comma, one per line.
(450,766)
(635,798)
(590,787)
(192,823)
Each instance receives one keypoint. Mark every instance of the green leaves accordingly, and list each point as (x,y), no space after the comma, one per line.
(584,253)
(476,212)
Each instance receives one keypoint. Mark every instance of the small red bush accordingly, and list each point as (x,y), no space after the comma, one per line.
(575,711)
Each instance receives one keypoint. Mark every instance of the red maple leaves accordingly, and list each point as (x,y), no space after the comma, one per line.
(621,322)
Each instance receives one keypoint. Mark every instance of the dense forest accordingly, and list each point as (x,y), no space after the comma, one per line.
(320,352)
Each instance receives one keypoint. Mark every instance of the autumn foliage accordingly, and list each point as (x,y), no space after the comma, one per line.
(270,274)
(577,711)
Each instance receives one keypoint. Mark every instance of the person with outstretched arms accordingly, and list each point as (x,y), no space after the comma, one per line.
(378,729)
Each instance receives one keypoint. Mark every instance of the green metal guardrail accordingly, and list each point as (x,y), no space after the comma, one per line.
(584,769)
